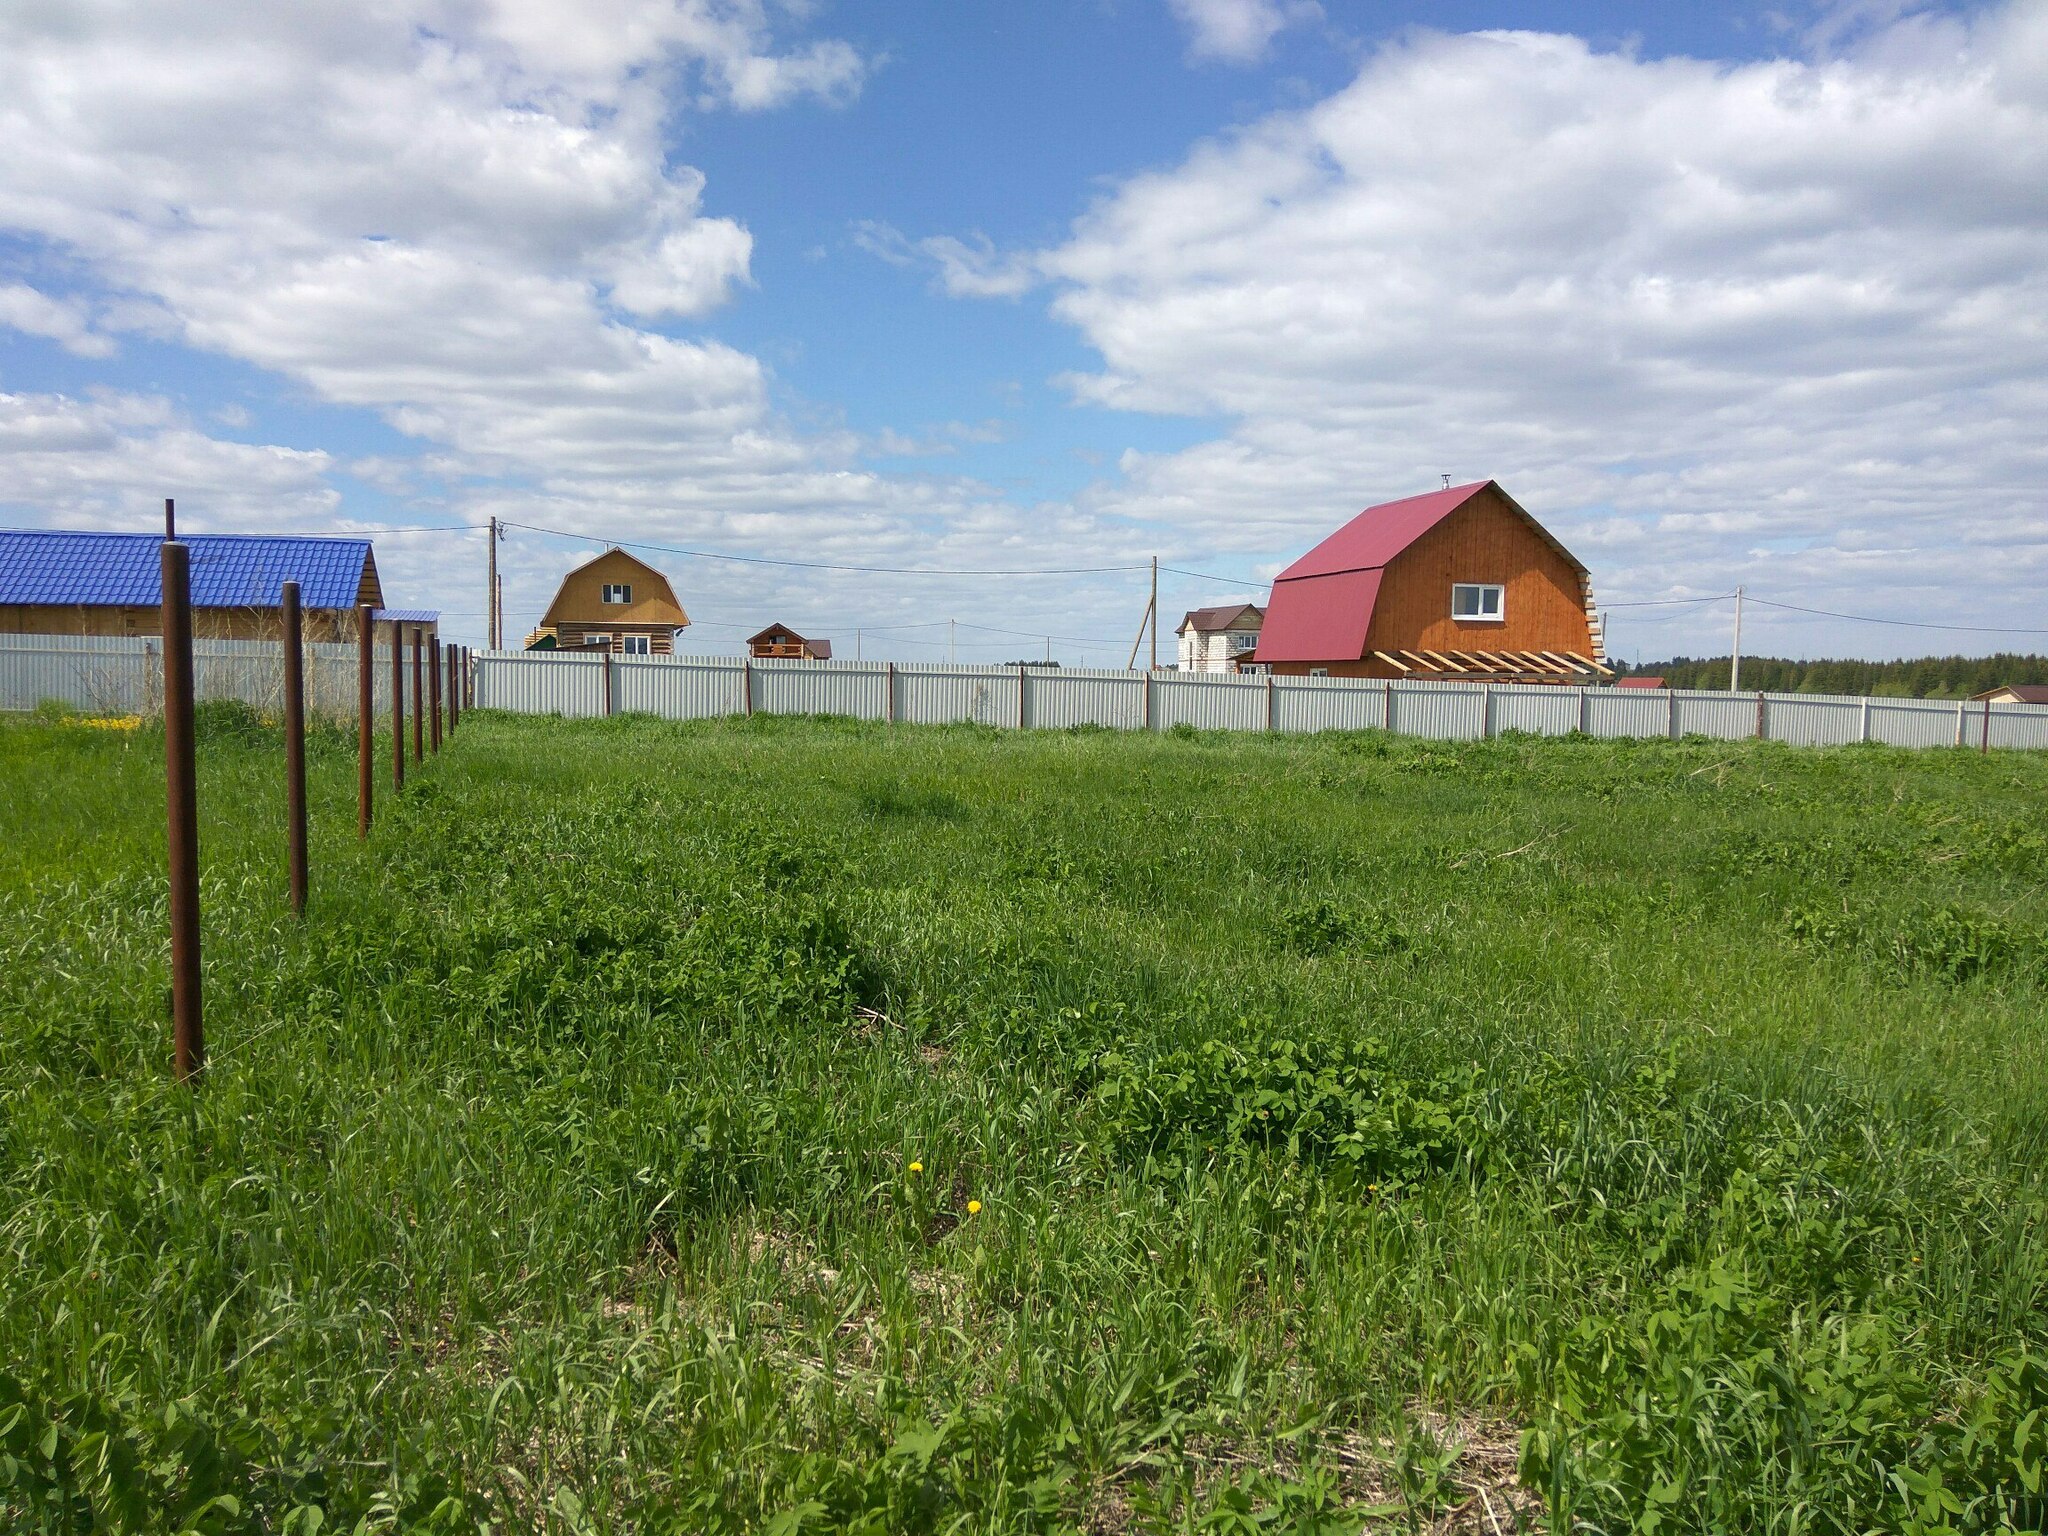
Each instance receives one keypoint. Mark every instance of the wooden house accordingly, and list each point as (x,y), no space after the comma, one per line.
(613,603)
(1460,584)
(781,640)
(60,582)
(1214,639)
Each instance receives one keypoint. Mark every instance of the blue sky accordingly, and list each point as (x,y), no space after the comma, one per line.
(1723,294)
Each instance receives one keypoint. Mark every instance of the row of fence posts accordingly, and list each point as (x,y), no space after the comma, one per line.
(188,1034)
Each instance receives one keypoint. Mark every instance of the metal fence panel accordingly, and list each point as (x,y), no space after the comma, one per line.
(1209,703)
(1067,698)
(1546,711)
(1440,711)
(938,694)
(821,688)
(1913,722)
(123,675)
(676,688)
(2015,725)
(1725,716)
(1813,720)
(1307,704)
(540,683)
(1614,712)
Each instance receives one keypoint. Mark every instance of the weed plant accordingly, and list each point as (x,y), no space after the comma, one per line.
(786,1125)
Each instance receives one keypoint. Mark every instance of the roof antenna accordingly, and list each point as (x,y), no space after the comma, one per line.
(1447,482)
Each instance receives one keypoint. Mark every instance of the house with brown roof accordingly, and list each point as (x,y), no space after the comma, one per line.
(1212,639)
(1460,584)
(2013,693)
(779,640)
(613,603)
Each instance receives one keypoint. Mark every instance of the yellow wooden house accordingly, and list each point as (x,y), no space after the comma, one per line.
(613,603)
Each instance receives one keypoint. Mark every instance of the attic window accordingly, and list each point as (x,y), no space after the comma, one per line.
(1477,602)
(617,591)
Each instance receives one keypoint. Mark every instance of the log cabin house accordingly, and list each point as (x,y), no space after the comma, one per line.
(614,603)
(1456,585)
(781,640)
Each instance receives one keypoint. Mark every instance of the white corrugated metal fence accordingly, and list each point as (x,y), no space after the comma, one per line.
(702,687)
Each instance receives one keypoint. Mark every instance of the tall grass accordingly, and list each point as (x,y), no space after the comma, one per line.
(800,1125)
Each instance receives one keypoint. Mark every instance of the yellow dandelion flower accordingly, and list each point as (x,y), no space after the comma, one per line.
(974,1207)
(917,1167)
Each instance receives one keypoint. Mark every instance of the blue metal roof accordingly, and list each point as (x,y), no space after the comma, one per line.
(407,615)
(229,570)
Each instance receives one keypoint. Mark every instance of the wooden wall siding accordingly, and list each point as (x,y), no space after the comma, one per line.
(661,639)
(580,600)
(1484,541)
(141,623)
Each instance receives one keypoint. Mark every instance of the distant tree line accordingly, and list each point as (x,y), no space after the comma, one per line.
(1928,677)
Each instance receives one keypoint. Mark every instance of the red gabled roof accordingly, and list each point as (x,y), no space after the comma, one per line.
(1378,534)
(1319,618)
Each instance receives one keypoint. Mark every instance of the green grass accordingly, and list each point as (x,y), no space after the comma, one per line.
(1626,1136)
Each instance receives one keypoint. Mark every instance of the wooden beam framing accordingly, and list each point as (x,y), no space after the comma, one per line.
(1603,671)
(1393,661)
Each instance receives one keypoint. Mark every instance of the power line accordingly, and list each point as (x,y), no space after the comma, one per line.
(1864,618)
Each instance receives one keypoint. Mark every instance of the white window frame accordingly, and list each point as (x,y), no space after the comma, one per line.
(618,592)
(636,645)
(1494,589)
(1238,641)
(597,637)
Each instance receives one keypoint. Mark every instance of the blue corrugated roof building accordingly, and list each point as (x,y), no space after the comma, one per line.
(56,568)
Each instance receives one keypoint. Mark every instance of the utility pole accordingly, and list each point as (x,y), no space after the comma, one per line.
(1735,651)
(856,645)
(1048,650)
(491,607)
(952,648)
(1153,609)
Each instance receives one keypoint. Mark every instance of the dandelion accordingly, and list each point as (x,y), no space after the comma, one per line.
(917,1167)
(974,1207)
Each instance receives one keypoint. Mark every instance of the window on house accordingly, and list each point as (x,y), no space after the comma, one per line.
(1318,671)
(618,592)
(1478,601)
(1242,642)
(597,637)
(636,645)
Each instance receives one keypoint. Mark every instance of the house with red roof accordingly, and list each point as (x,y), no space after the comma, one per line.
(1460,584)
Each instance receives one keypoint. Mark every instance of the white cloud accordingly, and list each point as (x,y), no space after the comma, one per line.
(1779,322)
(1238,31)
(104,462)
(64,321)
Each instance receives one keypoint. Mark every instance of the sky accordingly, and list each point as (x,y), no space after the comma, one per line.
(981,307)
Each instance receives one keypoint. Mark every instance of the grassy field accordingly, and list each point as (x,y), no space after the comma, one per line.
(783,1125)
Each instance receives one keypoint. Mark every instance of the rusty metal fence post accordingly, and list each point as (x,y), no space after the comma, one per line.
(295,746)
(454,688)
(181,795)
(419,702)
(366,704)
(397,708)
(434,696)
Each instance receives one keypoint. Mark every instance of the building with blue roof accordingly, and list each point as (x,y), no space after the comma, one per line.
(60,582)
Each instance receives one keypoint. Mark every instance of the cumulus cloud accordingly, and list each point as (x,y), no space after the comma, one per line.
(462,215)
(103,462)
(1238,31)
(1780,322)
(64,321)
